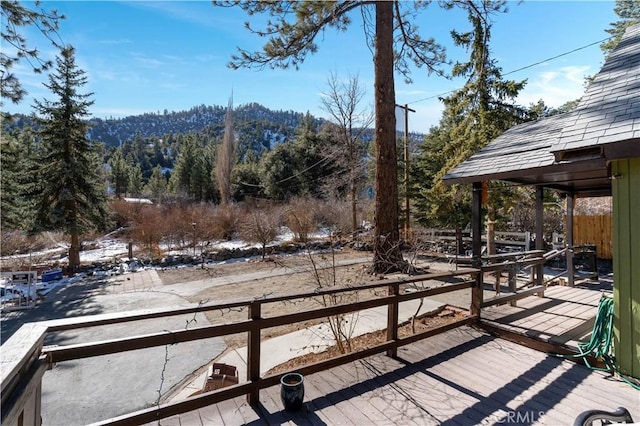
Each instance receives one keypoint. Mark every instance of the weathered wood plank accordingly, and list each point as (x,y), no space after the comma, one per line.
(169,421)
(562,379)
(464,376)
(248,413)
(321,406)
(228,411)
(516,383)
(210,415)
(383,392)
(192,418)
(356,394)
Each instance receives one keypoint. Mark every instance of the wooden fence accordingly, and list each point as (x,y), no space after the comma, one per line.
(596,229)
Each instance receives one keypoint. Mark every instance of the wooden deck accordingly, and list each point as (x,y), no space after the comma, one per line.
(461,377)
(564,316)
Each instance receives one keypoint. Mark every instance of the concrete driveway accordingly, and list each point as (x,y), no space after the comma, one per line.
(92,389)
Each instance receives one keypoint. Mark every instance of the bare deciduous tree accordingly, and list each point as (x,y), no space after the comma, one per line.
(260,225)
(342,101)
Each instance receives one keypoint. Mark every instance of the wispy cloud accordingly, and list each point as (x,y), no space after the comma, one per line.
(183,11)
(114,42)
(556,87)
(120,76)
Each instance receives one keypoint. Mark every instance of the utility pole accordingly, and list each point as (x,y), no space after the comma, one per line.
(407,214)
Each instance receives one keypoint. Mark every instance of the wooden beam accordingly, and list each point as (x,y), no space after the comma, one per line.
(253,352)
(539,269)
(510,297)
(476,228)
(569,241)
(392,319)
(18,353)
(520,263)
(25,396)
(536,344)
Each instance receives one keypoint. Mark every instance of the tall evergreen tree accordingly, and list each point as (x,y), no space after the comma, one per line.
(184,175)
(17,179)
(136,182)
(292,28)
(474,115)
(157,185)
(120,171)
(193,171)
(297,168)
(71,197)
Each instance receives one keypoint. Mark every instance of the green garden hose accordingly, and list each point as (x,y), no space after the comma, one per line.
(600,346)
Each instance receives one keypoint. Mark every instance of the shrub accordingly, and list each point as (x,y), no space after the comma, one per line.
(301,217)
(225,221)
(260,225)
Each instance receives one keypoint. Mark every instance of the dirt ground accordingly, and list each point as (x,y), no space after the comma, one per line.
(446,315)
(295,281)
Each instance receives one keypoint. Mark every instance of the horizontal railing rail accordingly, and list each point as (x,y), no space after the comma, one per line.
(512,263)
(25,358)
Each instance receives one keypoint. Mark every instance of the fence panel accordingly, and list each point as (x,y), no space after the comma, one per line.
(596,229)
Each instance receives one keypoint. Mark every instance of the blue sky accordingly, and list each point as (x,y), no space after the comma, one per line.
(148,56)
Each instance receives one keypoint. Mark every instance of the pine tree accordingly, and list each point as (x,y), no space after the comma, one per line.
(157,185)
(71,197)
(629,13)
(119,173)
(474,115)
(135,181)
(14,16)
(17,179)
(193,170)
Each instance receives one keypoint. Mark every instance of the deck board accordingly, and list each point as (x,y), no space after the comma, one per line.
(210,415)
(463,376)
(564,315)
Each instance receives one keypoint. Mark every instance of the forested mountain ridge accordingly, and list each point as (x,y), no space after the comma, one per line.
(253,122)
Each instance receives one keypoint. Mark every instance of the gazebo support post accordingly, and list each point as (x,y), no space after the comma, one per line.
(539,269)
(476,230)
(569,240)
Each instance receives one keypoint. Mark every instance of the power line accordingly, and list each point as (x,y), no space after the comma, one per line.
(523,68)
(323,160)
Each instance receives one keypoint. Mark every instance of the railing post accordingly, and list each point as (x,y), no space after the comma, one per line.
(477,295)
(392,318)
(253,351)
(512,283)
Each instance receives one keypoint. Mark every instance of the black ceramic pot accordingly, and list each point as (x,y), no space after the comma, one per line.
(292,391)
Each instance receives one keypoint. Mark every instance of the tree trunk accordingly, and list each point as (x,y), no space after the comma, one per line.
(387,256)
(354,206)
(74,252)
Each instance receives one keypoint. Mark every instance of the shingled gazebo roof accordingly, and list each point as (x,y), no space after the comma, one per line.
(570,152)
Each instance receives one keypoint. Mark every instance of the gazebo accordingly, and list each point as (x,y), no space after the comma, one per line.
(593,150)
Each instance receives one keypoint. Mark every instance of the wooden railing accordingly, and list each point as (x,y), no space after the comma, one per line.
(25,360)
(512,263)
